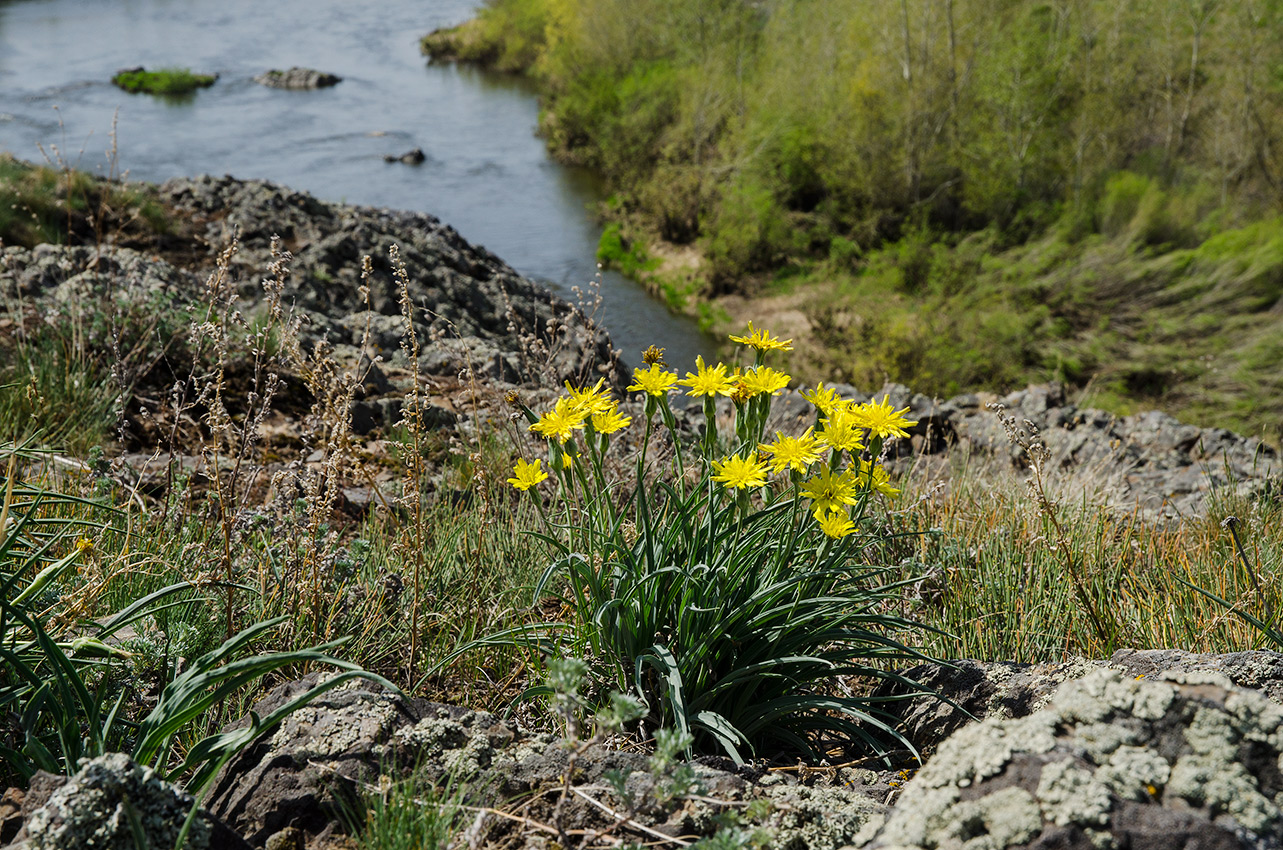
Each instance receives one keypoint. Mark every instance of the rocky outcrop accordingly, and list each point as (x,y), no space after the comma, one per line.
(1149,461)
(473,312)
(1182,761)
(113,803)
(297,78)
(295,781)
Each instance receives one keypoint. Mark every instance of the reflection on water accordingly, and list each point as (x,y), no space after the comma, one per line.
(485,173)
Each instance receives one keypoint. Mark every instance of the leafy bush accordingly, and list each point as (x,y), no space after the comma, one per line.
(613,250)
(729,591)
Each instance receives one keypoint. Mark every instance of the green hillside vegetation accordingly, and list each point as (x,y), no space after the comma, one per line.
(1085,190)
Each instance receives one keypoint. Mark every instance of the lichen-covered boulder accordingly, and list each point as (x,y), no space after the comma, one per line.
(1184,761)
(957,693)
(110,804)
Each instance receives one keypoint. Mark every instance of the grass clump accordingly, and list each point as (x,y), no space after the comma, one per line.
(166,81)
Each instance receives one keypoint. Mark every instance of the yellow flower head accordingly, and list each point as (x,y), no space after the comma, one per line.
(830,491)
(874,477)
(84,543)
(835,524)
(738,473)
(591,401)
(558,423)
(763,379)
(842,430)
(610,421)
(655,380)
(708,380)
(823,398)
(527,475)
(882,421)
(762,340)
(792,452)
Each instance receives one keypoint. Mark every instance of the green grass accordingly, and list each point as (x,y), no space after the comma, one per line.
(64,206)
(53,390)
(990,573)
(165,81)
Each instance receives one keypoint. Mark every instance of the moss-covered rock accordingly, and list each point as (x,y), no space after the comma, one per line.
(171,81)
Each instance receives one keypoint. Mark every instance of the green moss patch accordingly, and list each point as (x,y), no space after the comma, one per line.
(164,81)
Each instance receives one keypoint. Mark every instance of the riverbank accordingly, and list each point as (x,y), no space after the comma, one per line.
(1141,275)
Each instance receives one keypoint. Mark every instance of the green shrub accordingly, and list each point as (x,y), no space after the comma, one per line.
(628,256)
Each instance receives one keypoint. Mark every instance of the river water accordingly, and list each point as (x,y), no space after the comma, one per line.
(486,173)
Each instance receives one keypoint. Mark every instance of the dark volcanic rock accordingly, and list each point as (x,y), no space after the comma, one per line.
(303,774)
(297,78)
(1149,462)
(294,781)
(414,156)
(473,313)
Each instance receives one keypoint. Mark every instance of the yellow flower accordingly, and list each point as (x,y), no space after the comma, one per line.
(762,340)
(824,399)
(558,423)
(593,401)
(792,452)
(710,380)
(763,380)
(835,524)
(830,491)
(84,543)
(527,475)
(875,478)
(610,421)
(656,380)
(842,430)
(882,421)
(738,473)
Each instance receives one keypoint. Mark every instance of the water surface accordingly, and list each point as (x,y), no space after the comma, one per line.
(486,174)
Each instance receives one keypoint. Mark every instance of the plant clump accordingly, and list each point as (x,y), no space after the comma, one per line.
(729,591)
(170,81)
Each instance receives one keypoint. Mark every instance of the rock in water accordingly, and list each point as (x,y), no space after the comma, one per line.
(297,78)
(414,156)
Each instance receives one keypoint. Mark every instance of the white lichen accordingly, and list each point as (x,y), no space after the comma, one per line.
(1068,794)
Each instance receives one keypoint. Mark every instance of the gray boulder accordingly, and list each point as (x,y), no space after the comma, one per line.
(1185,760)
(297,78)
(107,804)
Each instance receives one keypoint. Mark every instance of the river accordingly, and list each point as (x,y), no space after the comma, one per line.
(486,173)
